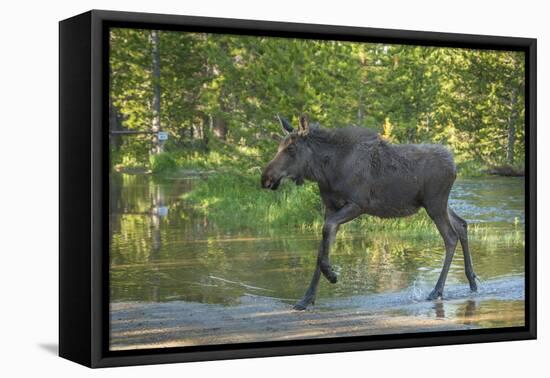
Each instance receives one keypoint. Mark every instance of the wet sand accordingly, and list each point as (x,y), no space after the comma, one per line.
(138,325)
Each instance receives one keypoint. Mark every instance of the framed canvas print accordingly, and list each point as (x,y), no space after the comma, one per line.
(234,188)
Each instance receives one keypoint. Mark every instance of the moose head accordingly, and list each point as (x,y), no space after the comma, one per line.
(292,156)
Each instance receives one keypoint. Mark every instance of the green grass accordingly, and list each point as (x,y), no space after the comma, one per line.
(236,201)
(224,156)
(505,235)
(229,194)
(126,162)
(163,162)
(471,169)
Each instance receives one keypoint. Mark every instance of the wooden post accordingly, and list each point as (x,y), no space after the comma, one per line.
(157,145)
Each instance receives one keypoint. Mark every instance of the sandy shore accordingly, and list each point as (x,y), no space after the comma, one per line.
(156,325)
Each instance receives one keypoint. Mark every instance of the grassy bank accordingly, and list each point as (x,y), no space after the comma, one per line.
(237,201)
(229,194)
(223,156)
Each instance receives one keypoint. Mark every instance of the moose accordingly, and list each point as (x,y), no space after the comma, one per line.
(357,173)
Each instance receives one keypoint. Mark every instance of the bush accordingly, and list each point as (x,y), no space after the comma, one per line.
(162,163)
(236,201)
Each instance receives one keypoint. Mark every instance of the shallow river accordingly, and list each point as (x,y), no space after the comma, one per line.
(163,251)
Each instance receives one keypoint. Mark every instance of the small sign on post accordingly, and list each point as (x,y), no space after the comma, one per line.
(162,136)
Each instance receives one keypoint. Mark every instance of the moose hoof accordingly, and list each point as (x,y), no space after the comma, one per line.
(330,275)
(473,283)
(435,294)
(299,307)
(302,305)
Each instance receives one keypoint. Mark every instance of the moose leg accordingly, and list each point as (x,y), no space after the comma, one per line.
(309,297)
(326,269)
(450,238)
(461,227)
(332,222)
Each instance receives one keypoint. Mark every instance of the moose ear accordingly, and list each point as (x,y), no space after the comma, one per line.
(304,125)
(287,127)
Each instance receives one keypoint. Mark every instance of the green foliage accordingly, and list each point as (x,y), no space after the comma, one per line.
(163,162)
(236,201)
(224,90)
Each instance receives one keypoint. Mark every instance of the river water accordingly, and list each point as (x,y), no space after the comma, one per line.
(163,250)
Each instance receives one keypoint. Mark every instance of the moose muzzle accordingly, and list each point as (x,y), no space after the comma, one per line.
(269,182)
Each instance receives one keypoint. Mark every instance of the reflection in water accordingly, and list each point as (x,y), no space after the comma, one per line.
(481,312)
(466,310)
(163,250)
(439,309)
(469,310)
(490,199)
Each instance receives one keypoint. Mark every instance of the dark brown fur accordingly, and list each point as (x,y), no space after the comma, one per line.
(359,173)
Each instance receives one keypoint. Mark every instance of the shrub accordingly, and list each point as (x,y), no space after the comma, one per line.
(162,162)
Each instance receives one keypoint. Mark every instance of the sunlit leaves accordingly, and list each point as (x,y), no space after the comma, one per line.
(467,99)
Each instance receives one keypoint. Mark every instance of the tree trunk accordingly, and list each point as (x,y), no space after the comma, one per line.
(114,125)
(219,127)
(512,127)
(115,119)
(157,145)
(204,131)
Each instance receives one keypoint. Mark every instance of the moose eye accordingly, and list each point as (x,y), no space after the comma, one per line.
(291,149)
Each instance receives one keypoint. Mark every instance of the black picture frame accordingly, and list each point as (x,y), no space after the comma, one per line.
(83,195)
